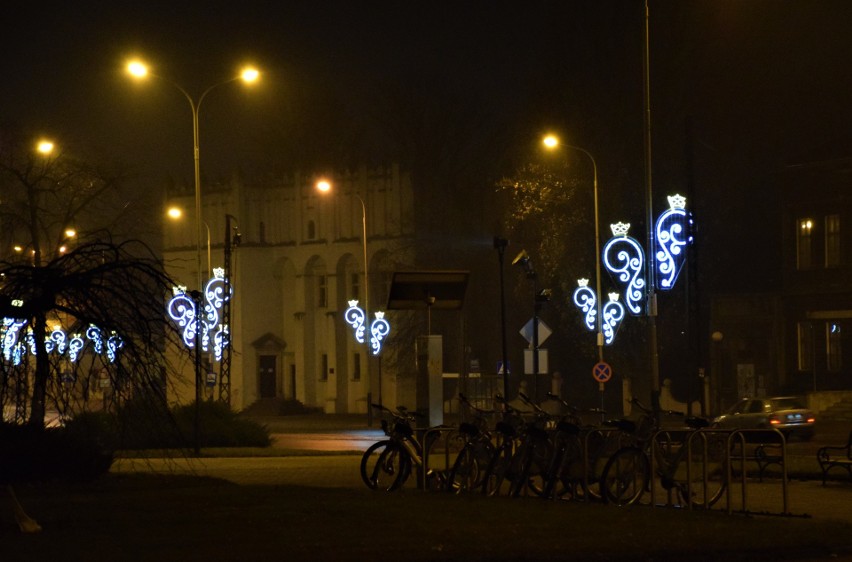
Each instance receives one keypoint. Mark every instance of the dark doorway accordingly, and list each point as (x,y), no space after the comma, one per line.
(267,376)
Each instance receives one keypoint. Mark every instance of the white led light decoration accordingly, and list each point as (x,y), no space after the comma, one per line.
(93,333)
(181,309)
(355,317)
(114,343)
(624,258)
(75,347)
(586,300)
(11,333)
(56,341)
(379,329)
(672,230)
(613,314)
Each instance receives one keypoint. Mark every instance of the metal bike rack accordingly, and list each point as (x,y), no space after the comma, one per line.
(423,438)
(690,435)
(739,437)
(607,433)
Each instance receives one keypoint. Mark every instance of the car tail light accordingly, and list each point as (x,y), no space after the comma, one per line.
(774,420)
(811,420)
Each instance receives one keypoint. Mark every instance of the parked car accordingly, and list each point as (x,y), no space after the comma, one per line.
(786,413)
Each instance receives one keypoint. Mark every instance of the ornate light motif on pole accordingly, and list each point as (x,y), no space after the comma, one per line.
(181,309)
(613,314)
(672,236)
(354,316)
(624,258)
(379,329)
(586,299)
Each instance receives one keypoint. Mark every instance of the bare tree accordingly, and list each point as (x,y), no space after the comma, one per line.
(108,293)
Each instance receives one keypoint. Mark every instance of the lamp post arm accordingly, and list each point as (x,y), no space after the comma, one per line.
(600,338)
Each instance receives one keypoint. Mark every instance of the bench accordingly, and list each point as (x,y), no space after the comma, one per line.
(830,457)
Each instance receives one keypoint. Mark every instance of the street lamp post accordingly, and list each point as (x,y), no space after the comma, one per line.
(551,142)
(140,70)
(500,245)
(324,186)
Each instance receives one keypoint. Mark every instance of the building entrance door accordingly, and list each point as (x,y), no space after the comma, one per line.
(267,376)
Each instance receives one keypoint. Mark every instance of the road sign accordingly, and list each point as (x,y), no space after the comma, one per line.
(501,371)
(542,362)
(544,331)
(602,372)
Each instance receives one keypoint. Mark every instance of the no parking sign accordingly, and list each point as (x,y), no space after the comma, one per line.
(602,372)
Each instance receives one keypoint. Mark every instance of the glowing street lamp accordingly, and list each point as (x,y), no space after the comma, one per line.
(140,70)
(44,147)
(324,186)
(551,142)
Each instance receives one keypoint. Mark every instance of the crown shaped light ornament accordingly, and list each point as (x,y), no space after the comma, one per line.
(613,297)
(582,282)
(677,201)
(620,228)
(219,272)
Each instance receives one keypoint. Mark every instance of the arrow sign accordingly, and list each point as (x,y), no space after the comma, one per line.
(544,331)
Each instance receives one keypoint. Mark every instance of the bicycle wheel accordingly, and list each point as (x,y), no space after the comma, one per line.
(565,478)
(532,472)
(385,466)
(708,472)
(495,481)
(625,476)
(469,467)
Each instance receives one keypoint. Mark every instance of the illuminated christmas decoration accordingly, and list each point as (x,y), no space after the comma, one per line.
(17,343)
(586,300)
(624,258)
(672,233)
(613,314)
(181,309)
(75,346)
(354,316)
(379,329)
(114,343)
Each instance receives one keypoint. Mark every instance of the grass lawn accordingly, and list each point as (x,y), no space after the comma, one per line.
(164,518)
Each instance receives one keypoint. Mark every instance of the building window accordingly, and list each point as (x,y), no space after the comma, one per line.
(806,346)
(804,244)
(322,291)
(324,367)
(833,349)
(355,286)
(832,240)
(356,366)
(312,230)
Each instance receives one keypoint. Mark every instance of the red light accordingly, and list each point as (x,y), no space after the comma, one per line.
(811,420)
(774,421)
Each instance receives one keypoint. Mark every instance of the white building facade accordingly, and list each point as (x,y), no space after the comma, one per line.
(299,261)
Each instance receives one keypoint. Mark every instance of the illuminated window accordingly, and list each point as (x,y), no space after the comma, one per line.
(833,349)
(832,240)
(806,346)
(324,367)
(322,291)
(356,366)
(804,244)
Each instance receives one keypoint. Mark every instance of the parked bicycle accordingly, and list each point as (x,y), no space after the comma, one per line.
(520,458)
(387,464)
(691,464)
(468,469)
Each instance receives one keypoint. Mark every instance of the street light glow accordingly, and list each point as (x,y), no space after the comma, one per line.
(249,74)
(550,141)
(324,185)
(70,233)
(44,146)
(137,68)
(174,213)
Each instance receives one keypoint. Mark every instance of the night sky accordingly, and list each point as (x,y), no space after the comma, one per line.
(758,83)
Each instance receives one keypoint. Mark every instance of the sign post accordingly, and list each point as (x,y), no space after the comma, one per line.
(602,372)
